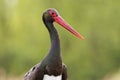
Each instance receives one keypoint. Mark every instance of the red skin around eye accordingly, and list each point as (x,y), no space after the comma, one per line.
(52,13)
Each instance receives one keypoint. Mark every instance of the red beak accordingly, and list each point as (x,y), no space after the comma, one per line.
(64,24)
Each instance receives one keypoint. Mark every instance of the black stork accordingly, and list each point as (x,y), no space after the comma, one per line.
(51,67)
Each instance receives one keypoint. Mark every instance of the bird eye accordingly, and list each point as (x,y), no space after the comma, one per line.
(53,14)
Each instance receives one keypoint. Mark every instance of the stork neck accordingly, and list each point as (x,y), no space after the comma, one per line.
(55,42)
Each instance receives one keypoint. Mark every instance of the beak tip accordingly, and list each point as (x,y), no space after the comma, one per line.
(81,37)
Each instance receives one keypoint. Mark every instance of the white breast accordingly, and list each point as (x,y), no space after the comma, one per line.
(47,77)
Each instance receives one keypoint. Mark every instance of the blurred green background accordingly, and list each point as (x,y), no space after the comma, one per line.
(24,40)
